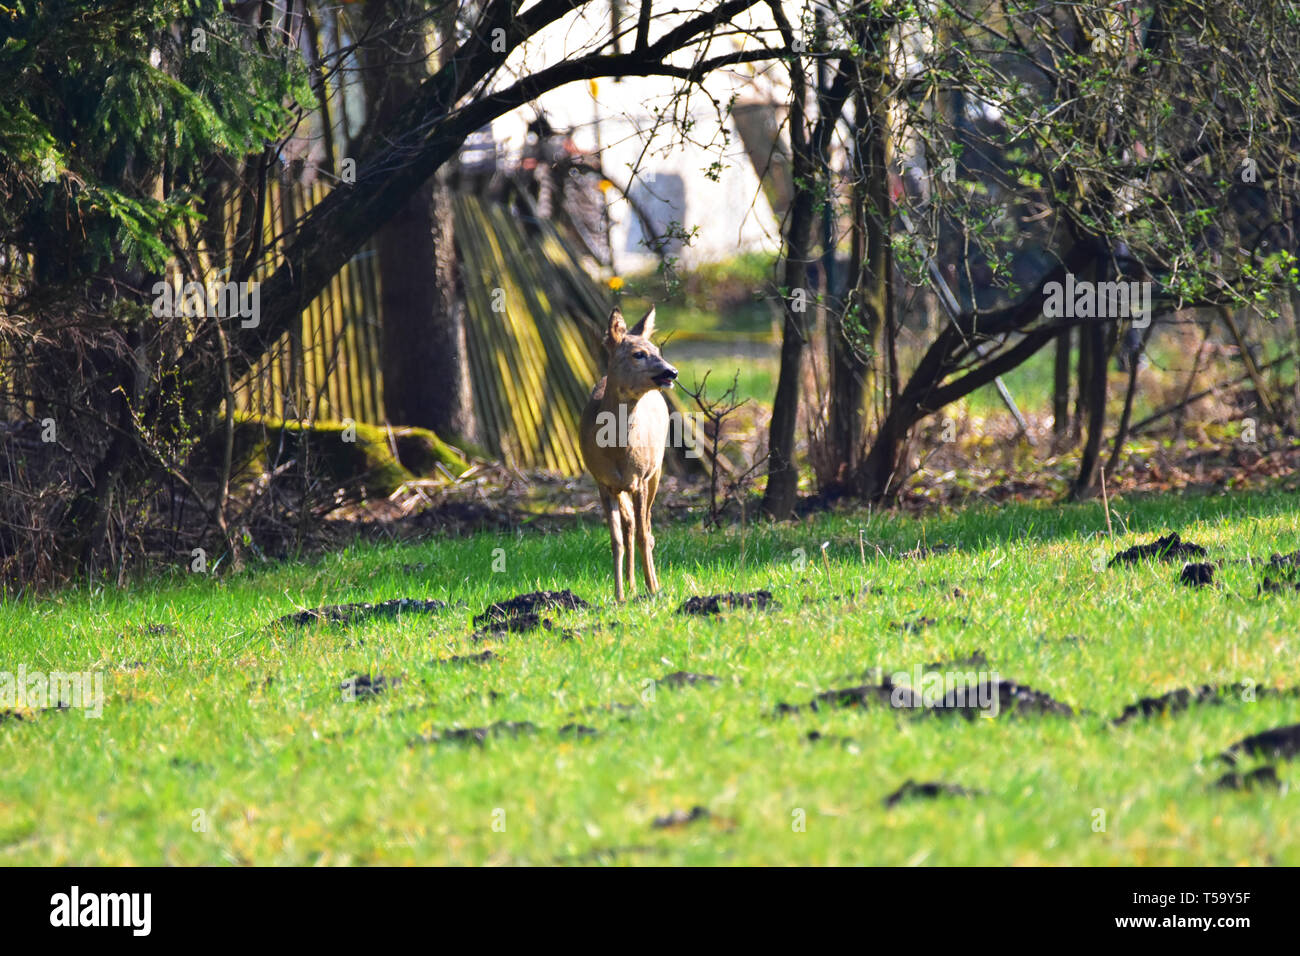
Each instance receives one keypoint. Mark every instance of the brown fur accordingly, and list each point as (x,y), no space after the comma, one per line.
(627,459)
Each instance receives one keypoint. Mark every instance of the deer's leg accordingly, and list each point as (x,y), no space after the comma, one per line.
(614,518)
(651,491)
(645,541)
(629,529)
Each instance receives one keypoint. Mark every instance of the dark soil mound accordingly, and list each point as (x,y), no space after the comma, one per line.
(1280,743)
(515,624)
(914,627)
(1172,702)
(355,613)
(477,735)
(714,603)
(885,693)
(1197,575)
(522,624)
(1269,586)
(969,700)
(1262,776)
(1285,566)
(365,686)
(680,818)
(531,603)
(685,678)
(911,790)
(1183,698)
(1169,548)
(467,658)
(976,699)
(577,730)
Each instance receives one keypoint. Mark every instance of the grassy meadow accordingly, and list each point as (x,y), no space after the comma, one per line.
(224,740)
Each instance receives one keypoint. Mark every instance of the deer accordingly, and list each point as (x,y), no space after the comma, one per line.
(623,433)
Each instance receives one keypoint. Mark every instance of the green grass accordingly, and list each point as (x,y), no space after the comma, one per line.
(1030,384)
(755,377)
(713,298)
(248,725)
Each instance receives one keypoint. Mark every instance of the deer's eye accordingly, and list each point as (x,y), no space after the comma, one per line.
(639,354)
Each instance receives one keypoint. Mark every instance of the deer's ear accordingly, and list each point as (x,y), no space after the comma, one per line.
(617,329)
(646,327)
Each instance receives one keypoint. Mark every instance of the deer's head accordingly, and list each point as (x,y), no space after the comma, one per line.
(635,365)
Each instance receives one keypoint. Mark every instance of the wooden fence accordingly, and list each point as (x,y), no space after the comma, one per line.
(328,365)
(533,316)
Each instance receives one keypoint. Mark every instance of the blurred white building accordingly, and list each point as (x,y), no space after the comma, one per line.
(700,181)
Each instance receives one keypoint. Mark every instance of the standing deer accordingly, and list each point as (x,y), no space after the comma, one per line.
(624,430)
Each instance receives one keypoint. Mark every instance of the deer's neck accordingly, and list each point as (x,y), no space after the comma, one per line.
(614,397)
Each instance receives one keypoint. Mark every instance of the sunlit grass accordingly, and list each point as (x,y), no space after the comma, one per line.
(223,741)
(754,378)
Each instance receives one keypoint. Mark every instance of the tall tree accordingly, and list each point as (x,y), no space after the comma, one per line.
(809,143)
(425,364)
(853,329)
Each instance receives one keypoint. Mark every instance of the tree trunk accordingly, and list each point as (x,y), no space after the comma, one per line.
(807,167)
(1098,335)
(425,365)
(854,332)
(782,473)
(423,351)
(1097,340)
(1061,389)
(1083,374)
